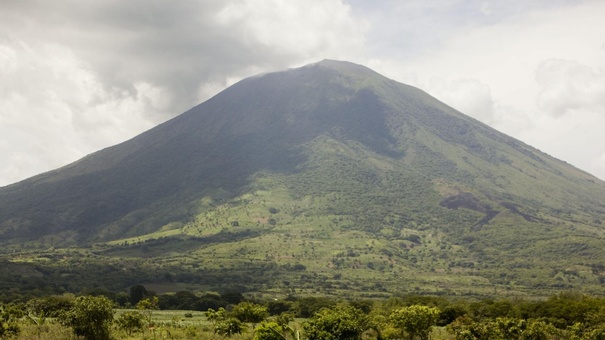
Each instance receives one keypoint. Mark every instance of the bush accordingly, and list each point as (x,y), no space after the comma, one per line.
(415,320)
(250,312)
(91,317)
(228,327)
(9,329)
(8,323)
(130,322)
(51,306)
(269,330)
(342,322)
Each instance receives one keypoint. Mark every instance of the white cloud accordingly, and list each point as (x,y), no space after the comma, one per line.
(597,165)
(568,85)
(496,65)
(53,111)
(578,135)
(467,95)
(304,29)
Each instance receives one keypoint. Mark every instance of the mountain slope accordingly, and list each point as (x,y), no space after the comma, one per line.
(334,167)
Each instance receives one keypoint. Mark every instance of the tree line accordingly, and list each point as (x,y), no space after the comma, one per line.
(563,316)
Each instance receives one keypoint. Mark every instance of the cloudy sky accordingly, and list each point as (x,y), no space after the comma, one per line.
(77,76)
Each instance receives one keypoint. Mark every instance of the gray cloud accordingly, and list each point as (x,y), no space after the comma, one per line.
(77,76)
(177,46)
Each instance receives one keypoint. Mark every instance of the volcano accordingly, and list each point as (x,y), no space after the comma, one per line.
(327,168)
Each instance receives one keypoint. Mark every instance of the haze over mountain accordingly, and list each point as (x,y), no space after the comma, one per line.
(334,168)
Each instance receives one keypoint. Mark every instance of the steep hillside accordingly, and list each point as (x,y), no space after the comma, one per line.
(327,173)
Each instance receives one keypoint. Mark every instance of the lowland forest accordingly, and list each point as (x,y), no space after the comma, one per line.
(326,198)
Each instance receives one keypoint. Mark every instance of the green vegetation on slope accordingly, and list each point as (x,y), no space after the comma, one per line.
(327,179)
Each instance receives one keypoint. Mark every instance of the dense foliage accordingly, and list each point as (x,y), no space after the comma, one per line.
(342,322)
(90,317)
(414,317)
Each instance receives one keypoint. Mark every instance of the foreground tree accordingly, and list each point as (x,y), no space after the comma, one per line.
(215,316)
(250,312)
(506,328)
(130,322)
(540,330)
(465,328)
(269,330)
(222,323)
(228,327)
(147,306)
(50,306)
(416,320)
(9,314)
(277,329)
(338,323)
(90,317)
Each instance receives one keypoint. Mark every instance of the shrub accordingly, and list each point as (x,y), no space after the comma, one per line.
(228,327)
(130,322)
(342,322)
(415,320)
(91,317)
(250,312)
(269,330)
